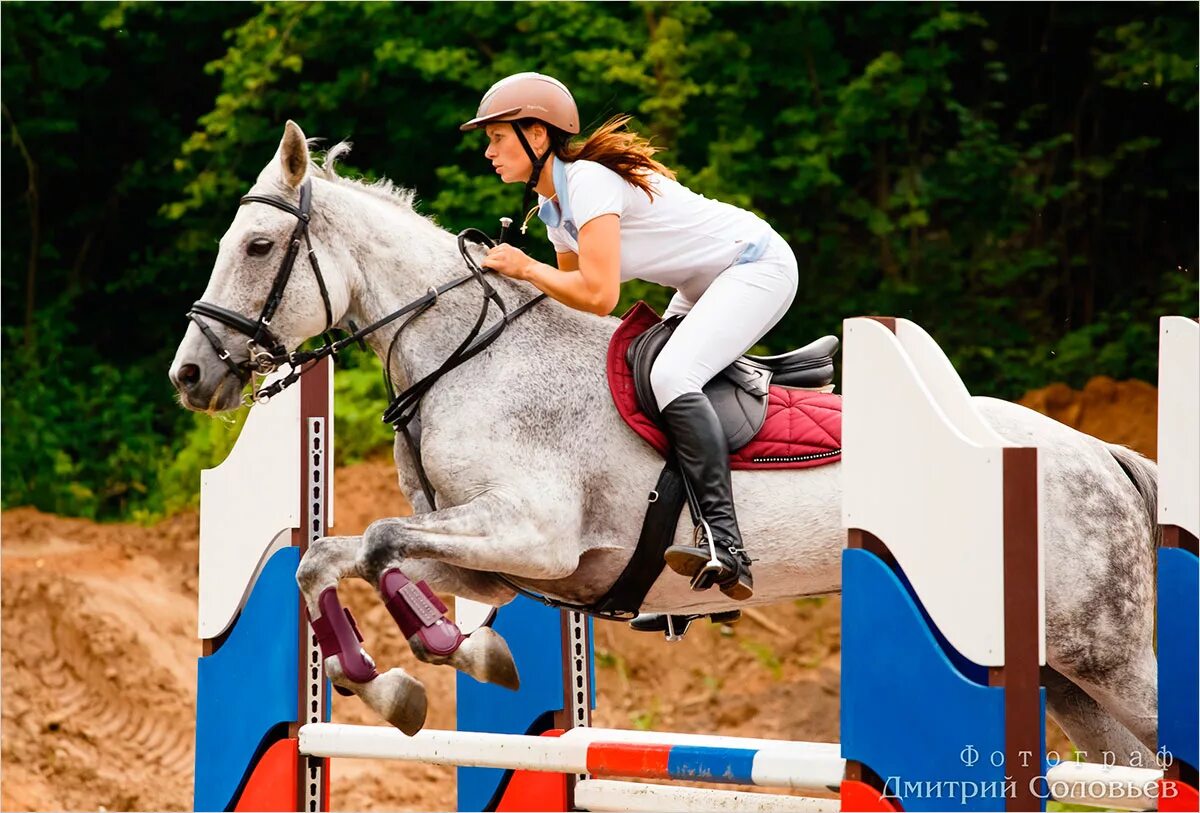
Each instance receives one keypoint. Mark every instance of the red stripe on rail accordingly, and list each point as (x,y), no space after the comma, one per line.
(628,760)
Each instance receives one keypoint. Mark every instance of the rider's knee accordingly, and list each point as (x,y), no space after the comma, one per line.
(669,381)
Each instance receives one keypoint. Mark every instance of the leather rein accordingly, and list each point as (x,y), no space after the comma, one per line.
(267,353)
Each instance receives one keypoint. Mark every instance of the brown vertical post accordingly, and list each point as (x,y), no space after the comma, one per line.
(1174,536)
(316,455)
(1021,674)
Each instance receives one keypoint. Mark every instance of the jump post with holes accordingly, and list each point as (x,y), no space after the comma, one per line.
(927,661)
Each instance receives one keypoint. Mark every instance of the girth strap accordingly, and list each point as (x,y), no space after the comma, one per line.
(658,532)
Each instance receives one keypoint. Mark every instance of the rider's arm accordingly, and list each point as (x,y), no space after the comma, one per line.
(595,283)
(568,261)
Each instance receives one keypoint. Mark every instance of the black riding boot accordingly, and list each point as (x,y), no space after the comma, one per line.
(699,444)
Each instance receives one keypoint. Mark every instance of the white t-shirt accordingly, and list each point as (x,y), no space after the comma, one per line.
(682,240)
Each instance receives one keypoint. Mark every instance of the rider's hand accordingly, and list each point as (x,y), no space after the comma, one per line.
(509,261)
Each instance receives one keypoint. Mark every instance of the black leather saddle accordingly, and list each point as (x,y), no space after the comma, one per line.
(739,392)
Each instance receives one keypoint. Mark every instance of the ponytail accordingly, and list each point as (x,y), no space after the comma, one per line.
(626,153)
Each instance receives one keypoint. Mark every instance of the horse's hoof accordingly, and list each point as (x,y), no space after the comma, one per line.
(485,656)
(397,697)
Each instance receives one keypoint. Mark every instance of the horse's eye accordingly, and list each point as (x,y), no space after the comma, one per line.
(259,247)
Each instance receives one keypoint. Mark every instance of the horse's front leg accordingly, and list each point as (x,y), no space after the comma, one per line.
(487,535)
(395,695)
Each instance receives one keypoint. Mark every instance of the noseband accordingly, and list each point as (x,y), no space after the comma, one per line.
(266,351)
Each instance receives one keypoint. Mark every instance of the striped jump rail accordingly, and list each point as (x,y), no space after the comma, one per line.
(600,752)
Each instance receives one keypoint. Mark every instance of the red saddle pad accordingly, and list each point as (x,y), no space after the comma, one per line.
(802,428)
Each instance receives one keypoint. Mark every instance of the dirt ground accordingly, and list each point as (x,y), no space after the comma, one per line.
(99,653)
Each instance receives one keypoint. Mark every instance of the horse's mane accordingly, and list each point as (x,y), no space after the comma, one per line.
(383,188)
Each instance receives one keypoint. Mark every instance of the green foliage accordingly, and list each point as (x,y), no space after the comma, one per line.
(646,719)
(358,393)
(358,400)
(1020,179)
(204,446)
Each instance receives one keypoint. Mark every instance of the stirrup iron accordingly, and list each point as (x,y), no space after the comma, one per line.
(713,567)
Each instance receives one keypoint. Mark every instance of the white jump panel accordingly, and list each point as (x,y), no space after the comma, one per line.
(249,505)
(923,471)
(607,794)
(1179,423)
(471,615)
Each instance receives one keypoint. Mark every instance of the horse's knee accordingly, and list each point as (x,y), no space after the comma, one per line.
(379,550)
(327,561)
(309,573)
(319,564)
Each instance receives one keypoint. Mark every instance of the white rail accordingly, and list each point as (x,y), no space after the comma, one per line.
(1107,786)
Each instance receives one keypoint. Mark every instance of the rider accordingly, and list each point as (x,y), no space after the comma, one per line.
(614,213)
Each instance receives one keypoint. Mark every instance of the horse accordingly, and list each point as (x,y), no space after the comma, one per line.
(539,484)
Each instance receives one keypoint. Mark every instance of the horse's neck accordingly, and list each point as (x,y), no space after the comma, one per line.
(399,258)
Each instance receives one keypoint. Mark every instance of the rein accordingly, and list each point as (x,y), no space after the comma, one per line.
(267,353)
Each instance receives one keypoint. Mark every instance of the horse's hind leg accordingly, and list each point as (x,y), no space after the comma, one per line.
(1129,692)
(1092,730)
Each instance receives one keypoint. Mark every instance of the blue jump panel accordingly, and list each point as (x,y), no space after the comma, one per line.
(907,712)
(534,634)
(249,685)
(1178,653)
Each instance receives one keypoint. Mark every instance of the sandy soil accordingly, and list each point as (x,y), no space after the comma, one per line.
(98,653)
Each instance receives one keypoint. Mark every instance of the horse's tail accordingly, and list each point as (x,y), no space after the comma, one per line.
(1143,472)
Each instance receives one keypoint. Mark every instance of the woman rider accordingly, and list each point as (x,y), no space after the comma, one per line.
(614,213)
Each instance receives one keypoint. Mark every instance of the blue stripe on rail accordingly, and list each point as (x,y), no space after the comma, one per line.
(702,763)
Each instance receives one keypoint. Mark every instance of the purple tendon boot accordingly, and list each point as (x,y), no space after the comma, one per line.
(338,635)
(418,611)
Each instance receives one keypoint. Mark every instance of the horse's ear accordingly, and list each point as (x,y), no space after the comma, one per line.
(293,155)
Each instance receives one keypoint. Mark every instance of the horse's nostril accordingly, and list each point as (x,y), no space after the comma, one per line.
(188,375)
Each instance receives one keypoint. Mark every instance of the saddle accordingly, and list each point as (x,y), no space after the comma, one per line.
(772,408)
(776,410)
(739,393)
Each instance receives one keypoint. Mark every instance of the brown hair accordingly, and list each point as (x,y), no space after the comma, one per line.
(626,153)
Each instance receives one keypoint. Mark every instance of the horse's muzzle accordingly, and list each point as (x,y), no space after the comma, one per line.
(207,388)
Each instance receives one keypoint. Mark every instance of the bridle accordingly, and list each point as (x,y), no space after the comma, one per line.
(267,353)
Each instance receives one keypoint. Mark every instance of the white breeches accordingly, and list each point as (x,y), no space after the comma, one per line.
(733,313)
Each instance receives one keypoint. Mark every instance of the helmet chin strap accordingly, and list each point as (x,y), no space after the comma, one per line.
(538,163)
